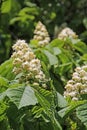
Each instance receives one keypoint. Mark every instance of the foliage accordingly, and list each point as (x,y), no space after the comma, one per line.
(19,18)
(30,104)
(61,57)
(25,103)
(81,113)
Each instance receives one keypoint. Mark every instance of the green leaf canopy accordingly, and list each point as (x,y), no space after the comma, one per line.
(22,96)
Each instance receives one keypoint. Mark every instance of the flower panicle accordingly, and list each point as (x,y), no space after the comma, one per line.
(67,32)
(78,84)
(41,34)
(25,62)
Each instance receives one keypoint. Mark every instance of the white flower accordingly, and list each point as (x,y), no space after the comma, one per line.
(75,74)
(41,35)
(26,65)
(16,70)
(84,79)
(78,69)
(20,44)
(84,91)
(82,73)
(35,63)
(24,62)
(35,84)
(76,78)
(78,84)
(73,93)
(75,99)
(68,86)
(17,61)
(28,56)
(70,82)
(67,32)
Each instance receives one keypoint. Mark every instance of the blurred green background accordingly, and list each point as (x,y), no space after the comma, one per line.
(18,19)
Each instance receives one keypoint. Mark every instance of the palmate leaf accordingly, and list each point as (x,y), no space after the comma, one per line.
(79,46)
(61,101)
(4,83)
(3,108)
(2,95)
(46,105)
(29,10)
(51,58)
(57,43)
(56,50)
(38,112)
(6,70)
(22,96)
(6,6)
(69,109)
(81,113)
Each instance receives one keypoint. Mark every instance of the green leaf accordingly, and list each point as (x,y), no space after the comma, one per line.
(15,19)
(61,101)
(30,4)
(14,116)
(26,17)
(57,43)
(22,96)
(84,96)
(40,55)
(81,47)
(3,81)
(6,6)
(69,109)
(85,22)
(81,113)
(4,84)
(28,10)
(33,43)
(6,70)
(3,108)
(84,57)
(46,105)
(63,68)
(2,95)
(57,82)
(38,112)
(56,50)
(53,15)
(52,58)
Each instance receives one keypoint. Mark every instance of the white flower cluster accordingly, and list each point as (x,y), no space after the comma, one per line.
(26,64)
(41,34)
(67,32)
(78,84)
